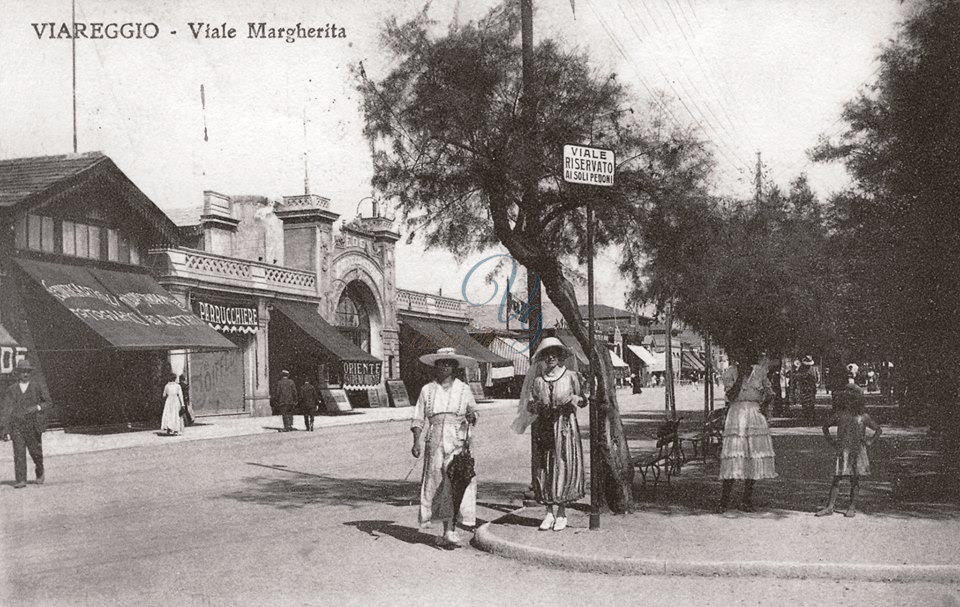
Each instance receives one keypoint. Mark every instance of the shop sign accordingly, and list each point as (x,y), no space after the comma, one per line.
(361,374)
(9,357)
(227,318)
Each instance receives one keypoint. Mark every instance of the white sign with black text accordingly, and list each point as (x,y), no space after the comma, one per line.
(589,166)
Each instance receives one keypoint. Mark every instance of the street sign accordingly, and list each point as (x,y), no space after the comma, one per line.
(589,166)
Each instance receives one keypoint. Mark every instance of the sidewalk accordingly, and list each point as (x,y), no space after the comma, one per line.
(60,442)
(674,531)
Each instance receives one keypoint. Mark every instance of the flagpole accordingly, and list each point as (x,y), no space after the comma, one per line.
(73,60)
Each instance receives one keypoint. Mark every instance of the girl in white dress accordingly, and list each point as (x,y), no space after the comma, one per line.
(171,422)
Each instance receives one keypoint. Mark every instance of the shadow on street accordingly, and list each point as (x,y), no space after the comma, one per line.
(300,489)
(805,468)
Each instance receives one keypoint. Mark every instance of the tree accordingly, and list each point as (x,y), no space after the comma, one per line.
(898,222)
(750,274)
(446,132)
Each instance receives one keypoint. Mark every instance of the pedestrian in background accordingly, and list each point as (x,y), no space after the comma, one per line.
(548,404)
(806,381)
(747,451)
(445,410)
(174,407)
(287,400)
(851,443)
(308,404)
(22,418)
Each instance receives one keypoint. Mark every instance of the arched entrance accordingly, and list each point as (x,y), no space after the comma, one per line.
(358,317)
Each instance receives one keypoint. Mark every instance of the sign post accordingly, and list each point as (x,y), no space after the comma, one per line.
(593,167)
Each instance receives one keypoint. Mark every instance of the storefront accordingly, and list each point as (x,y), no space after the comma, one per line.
(309,347)
(78,293)
(419,336)
(102,338)
(222,383)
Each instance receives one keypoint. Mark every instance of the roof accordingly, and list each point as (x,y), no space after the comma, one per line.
(21,178)
(27,182)
(185,216)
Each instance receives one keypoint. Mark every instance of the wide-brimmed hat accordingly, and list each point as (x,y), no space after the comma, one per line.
(551,343)
(25,365)
(852,369)
(284,372)
(807,360)
(447,354)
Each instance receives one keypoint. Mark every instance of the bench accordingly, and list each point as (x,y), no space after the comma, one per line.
(666,460)
(709,437)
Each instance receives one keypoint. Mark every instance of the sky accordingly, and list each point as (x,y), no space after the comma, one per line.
(752,75)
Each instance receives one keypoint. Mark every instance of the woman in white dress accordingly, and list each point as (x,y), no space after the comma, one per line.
(171,422)
(747,452)
(445,410)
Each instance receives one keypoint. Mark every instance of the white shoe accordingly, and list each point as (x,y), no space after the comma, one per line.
(452,536)
(561,523)
(547,522)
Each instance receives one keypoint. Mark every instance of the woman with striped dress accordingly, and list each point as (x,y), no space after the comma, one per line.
(549,403)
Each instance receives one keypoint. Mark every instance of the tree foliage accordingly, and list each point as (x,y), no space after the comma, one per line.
(898,227)
(451,147)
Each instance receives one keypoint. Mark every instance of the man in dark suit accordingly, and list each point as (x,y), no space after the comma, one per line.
(23,410)
(287,400)
(308,403)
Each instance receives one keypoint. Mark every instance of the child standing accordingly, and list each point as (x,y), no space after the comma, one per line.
(851,442)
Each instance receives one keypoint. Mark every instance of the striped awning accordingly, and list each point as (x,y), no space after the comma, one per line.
(514,350)
(691,361)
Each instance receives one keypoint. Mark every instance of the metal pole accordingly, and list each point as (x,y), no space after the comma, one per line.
(73,58)
(527,112)
(596,479)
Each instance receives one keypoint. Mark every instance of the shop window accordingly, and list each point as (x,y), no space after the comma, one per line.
(68,234)
(20,234)
(40,235)
(124,251)
(94,250)
(113,245)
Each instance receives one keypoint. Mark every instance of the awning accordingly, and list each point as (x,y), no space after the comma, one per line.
(571,342)
(6,339)
(10,352)
(617,361)
(690,361)
(126,310)
(659,364)
(514,350)
(643,354)
(359,369)
(439,334)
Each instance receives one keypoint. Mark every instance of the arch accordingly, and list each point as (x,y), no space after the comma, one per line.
(363,291)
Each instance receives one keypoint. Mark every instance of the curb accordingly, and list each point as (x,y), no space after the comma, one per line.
(487,541)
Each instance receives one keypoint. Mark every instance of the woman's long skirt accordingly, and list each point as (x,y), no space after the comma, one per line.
(558,474)
(747,448)
(445,438)
(171,420)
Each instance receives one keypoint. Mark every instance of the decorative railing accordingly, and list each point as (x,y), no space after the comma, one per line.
(181,264)
(415,301)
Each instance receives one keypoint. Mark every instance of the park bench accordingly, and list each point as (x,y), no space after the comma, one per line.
(709,437)
(667,460)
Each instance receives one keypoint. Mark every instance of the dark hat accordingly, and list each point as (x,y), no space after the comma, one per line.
(807,360)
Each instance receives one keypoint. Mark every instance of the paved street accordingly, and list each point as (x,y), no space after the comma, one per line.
(320,518)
